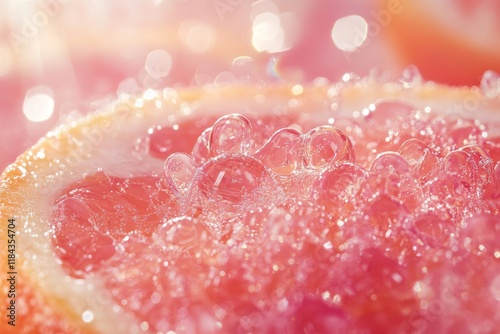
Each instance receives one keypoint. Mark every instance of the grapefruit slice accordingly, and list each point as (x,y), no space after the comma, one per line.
(347,207)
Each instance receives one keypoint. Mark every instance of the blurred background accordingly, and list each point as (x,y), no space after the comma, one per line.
(61,59)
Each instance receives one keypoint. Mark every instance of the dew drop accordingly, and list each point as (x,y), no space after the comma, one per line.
(281,152)
(411,76)
(325,145)
(490,84)
(230,134)
(179,169)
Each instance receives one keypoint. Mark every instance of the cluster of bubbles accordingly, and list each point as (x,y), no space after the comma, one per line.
(314,225)
(226,172)
(426,197)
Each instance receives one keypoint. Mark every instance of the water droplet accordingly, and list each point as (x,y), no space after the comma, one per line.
(411,76)
(325,145)
(179,169)
(230,135)
(201,150)
(231,178)
(281,153)
(490,84)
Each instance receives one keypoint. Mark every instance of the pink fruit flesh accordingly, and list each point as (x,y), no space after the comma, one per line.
(389,222)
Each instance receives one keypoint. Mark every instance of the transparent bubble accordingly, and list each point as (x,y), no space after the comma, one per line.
(391,163)
(338,186)
(230,134)
(231,178)
(244,68)
(391,174)
(281,153)
(325,145)
(201,149)
(421,158)
(179,169)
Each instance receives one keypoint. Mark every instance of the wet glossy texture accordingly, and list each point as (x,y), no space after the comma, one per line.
(389,222)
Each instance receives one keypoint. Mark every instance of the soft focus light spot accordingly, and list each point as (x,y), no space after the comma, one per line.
(38,104)
(87,316)
(144,326)
(158,64)
(349,32)
(297,90)
(150,94)
(198,36)
(268,34)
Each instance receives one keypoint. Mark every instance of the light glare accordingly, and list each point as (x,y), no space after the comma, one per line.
(349,32)
(38,104)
